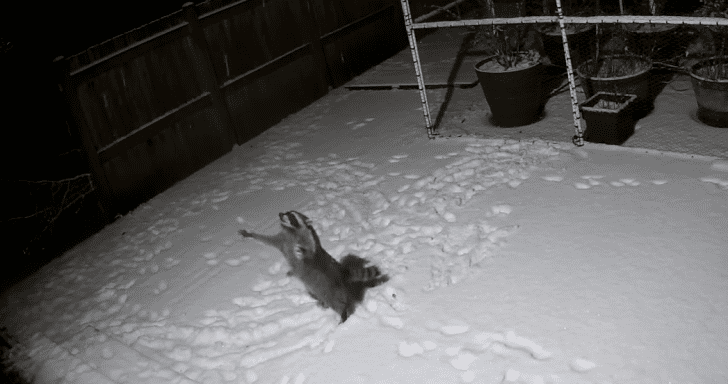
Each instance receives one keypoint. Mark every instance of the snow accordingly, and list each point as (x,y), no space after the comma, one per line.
(510,262)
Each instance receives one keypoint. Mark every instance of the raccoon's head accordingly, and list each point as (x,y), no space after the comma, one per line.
(299,228)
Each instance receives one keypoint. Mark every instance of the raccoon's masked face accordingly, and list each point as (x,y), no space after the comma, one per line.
(304,237)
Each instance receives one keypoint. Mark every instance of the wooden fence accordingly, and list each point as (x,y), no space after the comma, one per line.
(158,103)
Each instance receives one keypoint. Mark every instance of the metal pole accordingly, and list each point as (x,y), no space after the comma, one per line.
(418,68)
(578,139)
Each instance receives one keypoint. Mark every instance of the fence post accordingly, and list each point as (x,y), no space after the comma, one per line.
(317,50)
(74,115)
(202,65)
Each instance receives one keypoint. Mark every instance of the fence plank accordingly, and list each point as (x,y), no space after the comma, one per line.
(164,97)
(346,53)
(139,90)
(141,183)
(325,15)
(132,139)
(283,28)
(319,67)
(69,90)
(249,43)
(92,109)
(125,119)
(116,174)
(242,112)
(110,104)
(199,52)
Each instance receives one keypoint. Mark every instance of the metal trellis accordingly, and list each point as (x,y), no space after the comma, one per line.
(561,19)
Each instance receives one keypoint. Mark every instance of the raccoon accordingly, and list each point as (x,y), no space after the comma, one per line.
(339,286)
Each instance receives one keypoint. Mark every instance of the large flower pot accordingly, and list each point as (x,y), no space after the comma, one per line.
(656,41)
(711,92)
(515,96)
(609,117)
(579,36)
(625,74)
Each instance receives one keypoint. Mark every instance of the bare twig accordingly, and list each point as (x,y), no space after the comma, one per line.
(49,199)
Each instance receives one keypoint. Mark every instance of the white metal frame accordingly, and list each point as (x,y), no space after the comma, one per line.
(561,19)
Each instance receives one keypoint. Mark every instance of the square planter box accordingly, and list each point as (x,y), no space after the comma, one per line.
(609,117)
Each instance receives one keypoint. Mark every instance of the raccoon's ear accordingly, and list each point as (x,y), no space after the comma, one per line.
(301,218)
(297,220)
(304,218)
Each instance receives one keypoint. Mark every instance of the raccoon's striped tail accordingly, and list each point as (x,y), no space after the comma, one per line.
(354,270)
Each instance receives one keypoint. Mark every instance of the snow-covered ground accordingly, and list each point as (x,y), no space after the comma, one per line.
(517,262)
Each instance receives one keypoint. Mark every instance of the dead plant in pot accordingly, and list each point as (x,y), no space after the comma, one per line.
(620,73)
(708,41)
(512,75)
(710,83)
(579,36)
(709,70)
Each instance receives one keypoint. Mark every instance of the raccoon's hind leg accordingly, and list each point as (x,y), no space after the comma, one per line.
(348,310)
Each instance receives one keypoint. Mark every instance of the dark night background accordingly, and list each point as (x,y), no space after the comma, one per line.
(37,143)
(37,33)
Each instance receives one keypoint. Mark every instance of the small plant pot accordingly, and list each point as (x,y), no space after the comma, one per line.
(711,90)
(623,74)
(515,96)
(609,117)
(580,38)
(656,41)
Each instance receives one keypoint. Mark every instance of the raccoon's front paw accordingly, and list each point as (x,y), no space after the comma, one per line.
(245,233)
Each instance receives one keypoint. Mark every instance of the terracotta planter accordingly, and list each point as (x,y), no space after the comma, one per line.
(711,94)
(640,82)
(516,96)
(581,41)
(609,117)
